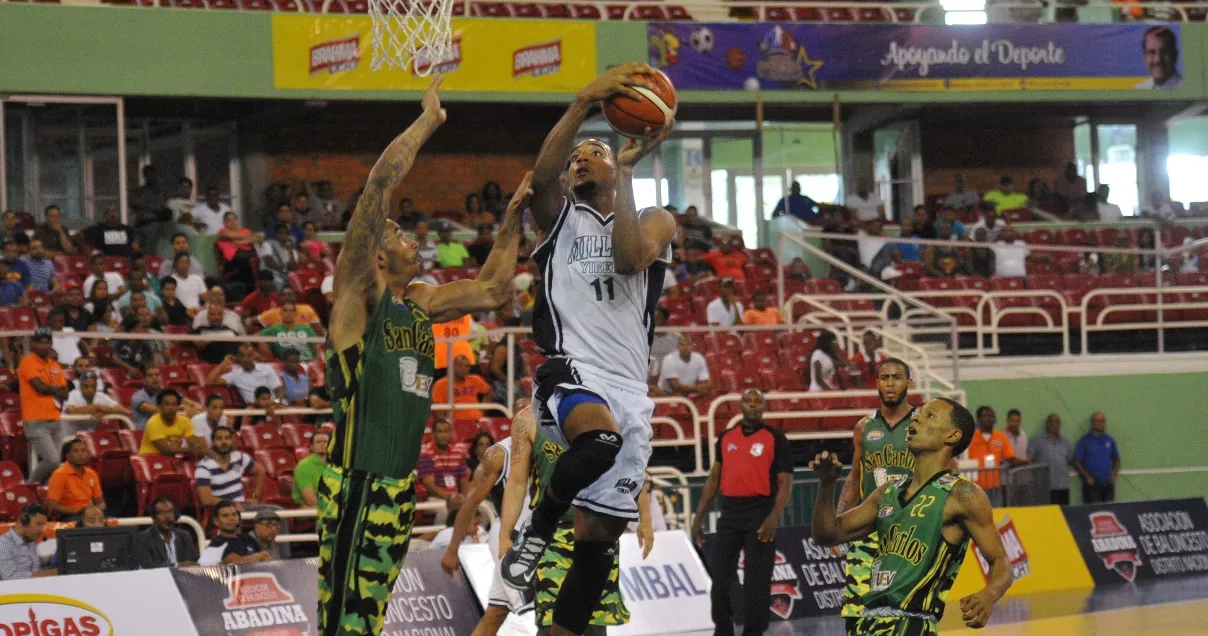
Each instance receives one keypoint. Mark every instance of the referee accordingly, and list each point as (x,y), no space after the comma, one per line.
(754,472)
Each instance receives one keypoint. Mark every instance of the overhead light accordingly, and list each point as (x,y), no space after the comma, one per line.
(965,17)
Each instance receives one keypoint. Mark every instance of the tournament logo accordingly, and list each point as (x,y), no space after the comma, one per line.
(756,449)
(874,436)
(537,60)
(785,60)
(336,56)
(257,599)
(47,614)
(885,511)
(1112,542)
(1016,553)
(785,587)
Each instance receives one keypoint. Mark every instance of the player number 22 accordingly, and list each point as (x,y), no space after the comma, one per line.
(925,502)
(601,285)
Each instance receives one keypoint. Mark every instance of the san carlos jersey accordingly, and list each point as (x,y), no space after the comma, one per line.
(584,309)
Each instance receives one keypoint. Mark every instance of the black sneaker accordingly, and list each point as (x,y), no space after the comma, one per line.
(520,563)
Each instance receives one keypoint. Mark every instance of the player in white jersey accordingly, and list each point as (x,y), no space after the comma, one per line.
(602,265)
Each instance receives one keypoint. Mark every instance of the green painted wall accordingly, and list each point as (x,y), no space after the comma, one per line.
(1157,420)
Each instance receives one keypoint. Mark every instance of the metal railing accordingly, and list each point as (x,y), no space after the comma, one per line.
(1014,486)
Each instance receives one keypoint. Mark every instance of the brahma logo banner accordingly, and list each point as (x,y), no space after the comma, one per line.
(1016,553)
(139,603)
(332,52)
(1142,540)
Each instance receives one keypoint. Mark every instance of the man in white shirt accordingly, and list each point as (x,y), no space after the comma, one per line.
(991,223)
(1010,254)
(181,203)
(865,204)
(725,311)
(67,347)
(1019,439)
(869,241)
(960,198)
(684,372)
(1107,211)
(114,280)
(209,213)
(206,421)
(229,318)
(85,400)
(248,376)
(327,288)
(424,247)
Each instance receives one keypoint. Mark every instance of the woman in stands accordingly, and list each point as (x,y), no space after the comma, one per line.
(825,361)
(474,209)
(105,315)
(238,247)
(311,248)
(171,310)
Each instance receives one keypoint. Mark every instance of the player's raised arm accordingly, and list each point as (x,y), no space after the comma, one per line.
(832,529)
(850,495)
(977,518)
(636,243)
(356,287)
(484,479)
(493,286)
(548,191)
(524,431)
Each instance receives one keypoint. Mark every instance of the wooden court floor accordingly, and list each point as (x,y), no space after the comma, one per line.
(1183,618)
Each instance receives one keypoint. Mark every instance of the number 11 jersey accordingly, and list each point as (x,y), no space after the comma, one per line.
(584,309)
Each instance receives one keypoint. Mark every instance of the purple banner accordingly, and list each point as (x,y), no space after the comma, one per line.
(794,56)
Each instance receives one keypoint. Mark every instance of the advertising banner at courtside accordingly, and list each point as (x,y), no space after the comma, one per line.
(1142,540)
(796,56)
(537,56)
(666,593)
(139,603)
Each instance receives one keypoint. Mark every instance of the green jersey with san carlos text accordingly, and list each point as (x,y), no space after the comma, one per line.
(915,565)
(885,452)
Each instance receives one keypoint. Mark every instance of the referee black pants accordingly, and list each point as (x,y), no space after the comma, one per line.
(737,532)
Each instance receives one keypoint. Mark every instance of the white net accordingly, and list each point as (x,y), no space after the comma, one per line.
(411,35)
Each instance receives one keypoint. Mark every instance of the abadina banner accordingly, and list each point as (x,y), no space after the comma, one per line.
(1141,540)
(787,56)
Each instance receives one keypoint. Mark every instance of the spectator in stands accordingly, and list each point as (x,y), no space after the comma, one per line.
(1019,439)
(725,310)
(148,210)
(979,261)
(908,251)
(960,198)
(312,249)
(865,204)
(825,361)
(207,215)
(941,260)
(797,204)
(300,206)
(219,476)
(10,232)
(325,208)
(480,247)
(759,313)
(289,328)
(180,245)
(450,252)
(923,227)
(473,209)
(991,449)
(424,246)
(168,432)
(237,245)
(229,546)
(42,274)
(277,255)
(694,267)
(310,469)
(86,400)
(181,205)
(247,375)
(164,544)
(285,217)
(84,364)
(477,532)
(684,371)
(205,422)
(1055,451)
(408,214)
(442,468)
(111,237)
(295,379)
(726,262)
(105,316)
(131,355)
(468,388)
(499,363)
(262,299)
(138,295)
(864,364)
(869,241)
(328,289)
(306,314)
(991,222)
(948,216)
(1005,197)
(493,200)
(171,311)
(12,292)
(216,298)
(1010,254)
(116,284)
(1069,188)
(42,385)
(697,232)
(265,529)
(19,557)
(1107,211)
(68,348)
(73,485)
(478,447)
(1097,460)
(1038,193)
(145,402)
(664,344)
(91,517)
(53,235)
(17,269)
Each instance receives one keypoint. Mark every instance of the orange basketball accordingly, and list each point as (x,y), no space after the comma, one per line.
(631,117)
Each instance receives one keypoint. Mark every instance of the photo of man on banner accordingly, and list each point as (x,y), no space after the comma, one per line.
(1160,47)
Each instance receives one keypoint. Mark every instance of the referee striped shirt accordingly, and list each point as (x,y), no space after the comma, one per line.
(224,484)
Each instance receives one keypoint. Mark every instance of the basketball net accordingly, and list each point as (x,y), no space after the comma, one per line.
(411,35)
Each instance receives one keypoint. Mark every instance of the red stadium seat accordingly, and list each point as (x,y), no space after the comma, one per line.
(8,379)
(39,299)
(524,10)
(753,361)
(1103,236)
(782,379)
(261,437)
(174,376)
(585,12)
(836,422)
(761,341)
(125,394)
(719,342)
(111,460)
(199,372)
(794,424)
(1072,236)
(791,339)
(183,355)
(555,10)
(276,461)
(10,401)
(297,435)
(1007,284)
(10,474)
(156,476)
(119,264)
(19,318)
(13,498)
(117,378)
(131,440)
(1051,305)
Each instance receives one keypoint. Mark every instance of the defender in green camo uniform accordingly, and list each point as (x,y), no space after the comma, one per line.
(552,568)
(883,454)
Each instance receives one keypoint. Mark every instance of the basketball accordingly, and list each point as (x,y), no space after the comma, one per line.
(631,117)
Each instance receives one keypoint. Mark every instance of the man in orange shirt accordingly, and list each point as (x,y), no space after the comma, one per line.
(41,382)
(451,329)
(74,486)
(467,389)
(726,262)
(759,313)
(991,449)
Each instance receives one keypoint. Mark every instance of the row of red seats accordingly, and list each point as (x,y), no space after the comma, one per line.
(477,9)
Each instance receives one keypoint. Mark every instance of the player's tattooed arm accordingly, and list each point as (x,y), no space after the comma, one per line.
(850,495)
(524,431)
(637,243)
(975,515)
(484,479)
(830,528)
(354,285)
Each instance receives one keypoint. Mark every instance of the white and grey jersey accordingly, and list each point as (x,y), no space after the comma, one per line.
(585,310)
(496,494)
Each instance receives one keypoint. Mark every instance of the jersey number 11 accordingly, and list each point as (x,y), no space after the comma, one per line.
(601,287)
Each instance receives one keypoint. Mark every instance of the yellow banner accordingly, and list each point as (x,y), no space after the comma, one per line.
(534,56)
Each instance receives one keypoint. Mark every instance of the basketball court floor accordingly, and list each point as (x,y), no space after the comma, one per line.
(1167,608)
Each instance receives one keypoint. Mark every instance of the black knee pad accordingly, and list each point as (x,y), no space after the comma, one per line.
(590,456)
(580,595)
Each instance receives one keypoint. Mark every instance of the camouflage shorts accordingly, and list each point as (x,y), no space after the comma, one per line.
(891,626)
(364,530)
(860,555)
(551,571)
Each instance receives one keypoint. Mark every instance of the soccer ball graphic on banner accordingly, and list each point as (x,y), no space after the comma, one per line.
(701,40)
